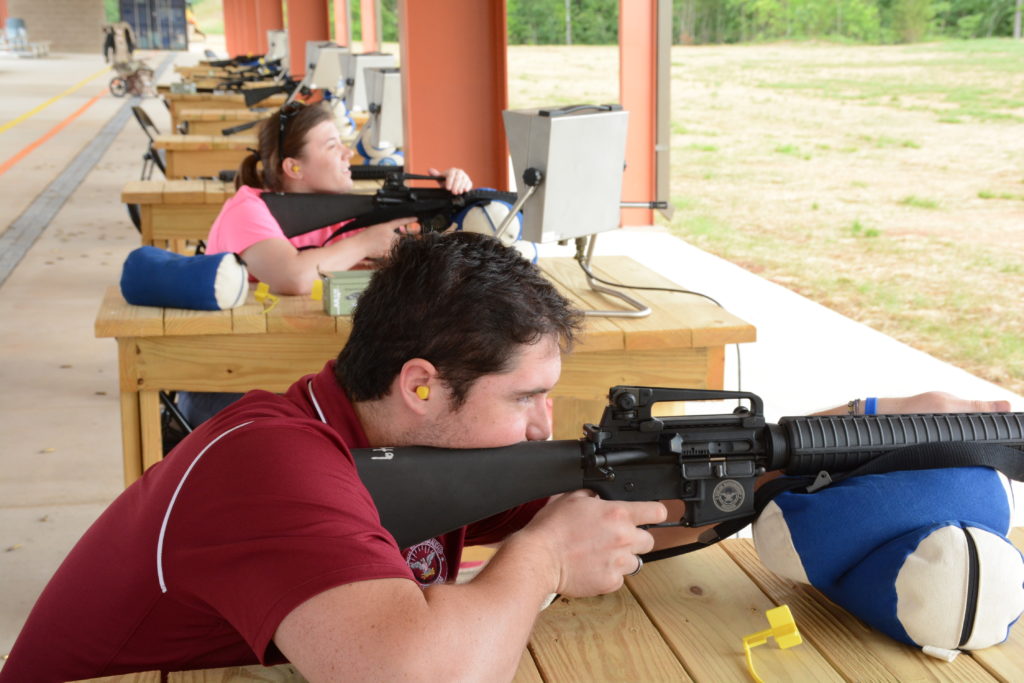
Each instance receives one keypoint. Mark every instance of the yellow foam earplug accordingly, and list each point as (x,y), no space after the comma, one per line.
(423,392)
(783,629)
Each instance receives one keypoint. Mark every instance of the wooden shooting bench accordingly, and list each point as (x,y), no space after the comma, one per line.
(205,100)
(201,156)
(684,619)
(214,121)
(173,212)
(681,344)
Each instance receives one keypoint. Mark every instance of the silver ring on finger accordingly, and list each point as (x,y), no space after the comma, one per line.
(639,566)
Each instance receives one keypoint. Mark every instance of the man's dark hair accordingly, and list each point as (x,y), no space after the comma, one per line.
(462,301)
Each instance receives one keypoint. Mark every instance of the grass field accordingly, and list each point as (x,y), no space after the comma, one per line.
(886,182)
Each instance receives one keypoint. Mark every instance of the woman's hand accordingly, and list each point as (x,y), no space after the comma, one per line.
(938,402)
(376,240)
(928,402)
(456,180)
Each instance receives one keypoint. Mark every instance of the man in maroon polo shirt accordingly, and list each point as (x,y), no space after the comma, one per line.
(255,541)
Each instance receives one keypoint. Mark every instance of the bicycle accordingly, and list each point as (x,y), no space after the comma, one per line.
(134,77)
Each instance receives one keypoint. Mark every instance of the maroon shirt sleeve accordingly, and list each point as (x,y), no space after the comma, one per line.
(292,522)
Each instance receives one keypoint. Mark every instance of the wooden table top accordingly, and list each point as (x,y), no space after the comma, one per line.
(236,115)
(203,143)
(684,619)
(177,191)
(677,320)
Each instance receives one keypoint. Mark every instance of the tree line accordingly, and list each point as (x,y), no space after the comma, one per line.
(737,21)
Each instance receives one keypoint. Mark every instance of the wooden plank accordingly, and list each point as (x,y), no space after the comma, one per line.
(861,652)
(218,192)
(527,671)
(149,428)
(706,322)
(711,324)
(142,677)
(207,163)
(249,318)
(234,362)
(142,192)
(283,673)
(599,333)
(589,375)
(182,221)
(705,616)
(234,142)
(299,314)
(181,321)
(131,442)
(184,192)
(118,318)
(607,638)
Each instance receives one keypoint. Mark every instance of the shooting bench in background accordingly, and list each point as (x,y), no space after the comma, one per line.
(681,344)
(684,619)
(203,156)
(204,100)
(204,121)
(175,212)
(213,121)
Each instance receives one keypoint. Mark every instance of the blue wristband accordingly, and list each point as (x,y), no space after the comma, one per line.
(870,406)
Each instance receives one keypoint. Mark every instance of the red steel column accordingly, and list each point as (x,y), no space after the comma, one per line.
(369,32)
(307,20)
(342,23)
(638,32)
(269,17)
(247,19)
(232,28)
(452,98)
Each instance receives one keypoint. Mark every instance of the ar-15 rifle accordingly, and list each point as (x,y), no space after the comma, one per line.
(433,207)
(708,461)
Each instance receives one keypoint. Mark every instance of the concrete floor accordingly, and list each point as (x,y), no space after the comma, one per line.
(60,460)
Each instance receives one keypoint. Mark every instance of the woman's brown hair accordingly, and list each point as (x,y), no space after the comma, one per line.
(262,168)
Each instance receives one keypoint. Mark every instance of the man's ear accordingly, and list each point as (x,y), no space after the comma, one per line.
(418,385)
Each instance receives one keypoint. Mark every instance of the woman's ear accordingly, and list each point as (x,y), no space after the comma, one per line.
(292,168)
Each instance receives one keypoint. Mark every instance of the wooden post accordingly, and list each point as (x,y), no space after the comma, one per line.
(637,91)
(269,17)
(369,25)
(342,23)
(307,20)
(452,98)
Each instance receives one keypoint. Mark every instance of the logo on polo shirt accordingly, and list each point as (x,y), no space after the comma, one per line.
(427,562)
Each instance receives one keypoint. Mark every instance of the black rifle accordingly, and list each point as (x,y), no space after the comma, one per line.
(708,461)
(434,207)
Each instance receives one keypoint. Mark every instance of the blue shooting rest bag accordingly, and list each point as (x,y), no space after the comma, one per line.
(920,555)
(208,282)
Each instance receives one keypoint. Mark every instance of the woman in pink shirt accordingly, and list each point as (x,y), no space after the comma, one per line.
(300,150)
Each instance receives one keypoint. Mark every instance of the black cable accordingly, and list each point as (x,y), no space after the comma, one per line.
(589,273)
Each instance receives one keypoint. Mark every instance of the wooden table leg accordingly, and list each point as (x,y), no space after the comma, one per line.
(149,428)
(131,442)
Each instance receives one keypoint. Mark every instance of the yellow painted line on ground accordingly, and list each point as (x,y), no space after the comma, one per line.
(47,103)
